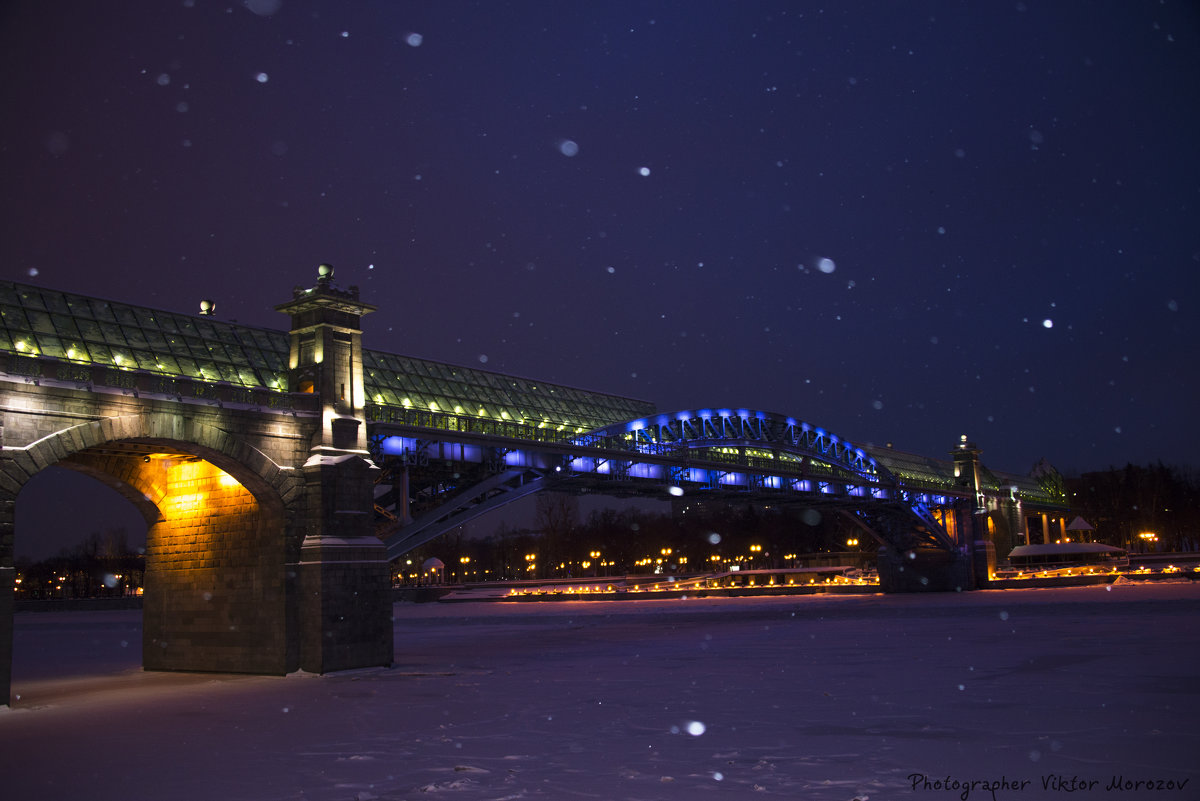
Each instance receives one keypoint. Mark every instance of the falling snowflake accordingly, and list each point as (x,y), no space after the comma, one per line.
(263,8)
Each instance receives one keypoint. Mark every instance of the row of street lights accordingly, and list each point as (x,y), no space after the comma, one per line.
(664,560)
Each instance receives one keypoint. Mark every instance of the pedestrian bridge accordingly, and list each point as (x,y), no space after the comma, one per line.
(278,472)
(902,500)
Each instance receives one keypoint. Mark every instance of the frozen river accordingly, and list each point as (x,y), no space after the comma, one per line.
(1012,695)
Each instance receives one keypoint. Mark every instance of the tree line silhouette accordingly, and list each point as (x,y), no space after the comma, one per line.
(103,565)
(1122,504)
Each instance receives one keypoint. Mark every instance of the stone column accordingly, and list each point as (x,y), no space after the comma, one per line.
(8,574)
(966,476)
(343,577)
(7,603)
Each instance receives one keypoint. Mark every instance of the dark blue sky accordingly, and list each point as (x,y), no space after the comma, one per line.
(637,197)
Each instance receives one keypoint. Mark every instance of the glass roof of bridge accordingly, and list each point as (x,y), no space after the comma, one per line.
(938,474)
(411,383)
(77,329)
(84,330)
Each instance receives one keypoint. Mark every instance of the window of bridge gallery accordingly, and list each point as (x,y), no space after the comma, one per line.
(51,346)
(41,323)
(384,395)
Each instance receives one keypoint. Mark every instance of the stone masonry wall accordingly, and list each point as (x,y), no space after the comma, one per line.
(249,618)
(215,578)
(247,575)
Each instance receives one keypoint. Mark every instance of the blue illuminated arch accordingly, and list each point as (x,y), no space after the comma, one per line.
(691,430)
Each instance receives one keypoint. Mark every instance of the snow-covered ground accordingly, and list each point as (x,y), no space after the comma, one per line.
(807,697)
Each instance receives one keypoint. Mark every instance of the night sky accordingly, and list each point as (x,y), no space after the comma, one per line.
(900,221)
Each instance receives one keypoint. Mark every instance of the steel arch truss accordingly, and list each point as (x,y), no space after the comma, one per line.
(752,440)
(710,451)
(757,452)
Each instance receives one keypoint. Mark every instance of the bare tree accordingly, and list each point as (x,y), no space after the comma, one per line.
(557,517)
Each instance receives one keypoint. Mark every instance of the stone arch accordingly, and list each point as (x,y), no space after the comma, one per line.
(209,442)
(222,545)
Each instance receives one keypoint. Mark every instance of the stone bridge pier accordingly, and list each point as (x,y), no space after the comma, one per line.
(260,553)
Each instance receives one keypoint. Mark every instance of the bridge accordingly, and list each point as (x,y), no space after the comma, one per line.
(279,472)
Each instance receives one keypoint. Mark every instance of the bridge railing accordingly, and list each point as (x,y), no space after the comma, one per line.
(915,482)
(143,383)
(446,421)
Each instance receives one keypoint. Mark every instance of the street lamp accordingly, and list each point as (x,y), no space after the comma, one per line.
(664,562)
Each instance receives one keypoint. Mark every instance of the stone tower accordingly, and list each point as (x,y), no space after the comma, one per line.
(352,626)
